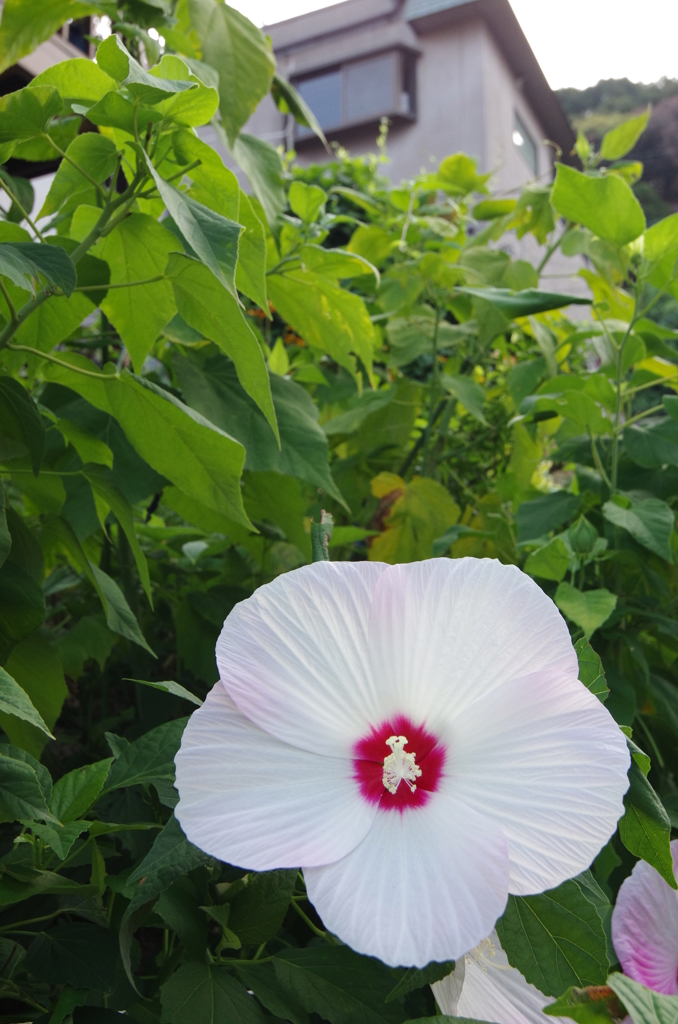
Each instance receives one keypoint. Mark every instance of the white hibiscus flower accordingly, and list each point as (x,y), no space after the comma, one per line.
(415,737)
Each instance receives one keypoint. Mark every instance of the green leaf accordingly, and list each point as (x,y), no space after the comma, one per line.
(20,419)
(661,238)
(263,167)
(192,108)
(538,517)
(212,310)
(620,140)
(555,940)
(261,979)
(5,536)
(35,665)
(102,482)
(645,829)
(27,23)
(43,776)
(258,910)
(88,447)
(591,671)
(214,184)
(578,1004)
(327,317)
(250,273)
(198,457)
(92,152)
(136,250)
(205,994)
(643,1005)
(75,792)
(443,544)
(24,260)
(289,101)
(148,758)
(15,701)
(11,955)
(114,111)
(606,205)
(116,61)
(60,837)
(655,445)
(21,796)
(306,201)
(549,562)
(78,81)
(649,521)
(491,209)
(216,393)
(468,392)
(588,609)
(242,56)
(213,238)
(169,686)
(22,606)
(170,858)
(415,978)
(321,535)
(525,302)
(82,955)
(339,985)
(26,113)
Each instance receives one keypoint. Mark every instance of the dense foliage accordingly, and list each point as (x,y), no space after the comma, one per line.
(189,374)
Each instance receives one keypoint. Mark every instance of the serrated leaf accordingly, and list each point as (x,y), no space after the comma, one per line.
(21,796)
(591,671)
(207,994)
(82,955)
(414,978)
(588,609)
(645,829)
(169,686)
(15,701)
(148,758)
(649,521)
(75,792)
(258,910)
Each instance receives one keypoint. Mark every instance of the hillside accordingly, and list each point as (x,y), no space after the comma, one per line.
(600,107)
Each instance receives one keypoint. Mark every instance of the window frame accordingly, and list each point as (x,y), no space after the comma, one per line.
(528,144)
(404,83)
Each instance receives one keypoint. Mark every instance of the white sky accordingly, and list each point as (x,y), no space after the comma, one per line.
(577,42)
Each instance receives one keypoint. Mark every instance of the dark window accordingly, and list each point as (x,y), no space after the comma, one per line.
(524,142)
(323,95)
(360,91)
(76,33)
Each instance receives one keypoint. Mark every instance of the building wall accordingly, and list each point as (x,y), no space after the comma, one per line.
(503,98)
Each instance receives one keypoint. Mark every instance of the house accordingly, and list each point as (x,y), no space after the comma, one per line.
(450,75)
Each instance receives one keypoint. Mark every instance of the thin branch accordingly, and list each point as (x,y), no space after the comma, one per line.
(60,362)
(120,284)
(639,416)
(98,186)
(20,207)
(10,304)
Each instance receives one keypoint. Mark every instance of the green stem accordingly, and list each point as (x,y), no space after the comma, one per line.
(316,931)
(650,384)
(60,362)
(434,389)
(551,249)
(10,304)
(121,284)
(618,404)
(598,461)
(32,920)
(639,416)
(97,185)
(655,748)
(173,177)
(16,202)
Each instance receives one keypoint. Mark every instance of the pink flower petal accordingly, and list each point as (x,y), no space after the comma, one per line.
(251,800)
(423,885)
(645,927)
(294,657)
(545,761)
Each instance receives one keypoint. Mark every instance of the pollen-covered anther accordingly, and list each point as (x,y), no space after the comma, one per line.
(399,765)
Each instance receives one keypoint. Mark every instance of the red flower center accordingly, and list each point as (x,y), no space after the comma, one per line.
(398,764)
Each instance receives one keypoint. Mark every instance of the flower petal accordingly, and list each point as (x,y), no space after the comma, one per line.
(546,762)
(492,990)
(294,656)
(645,927)
(251,800)
(423,885)
(446,631)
